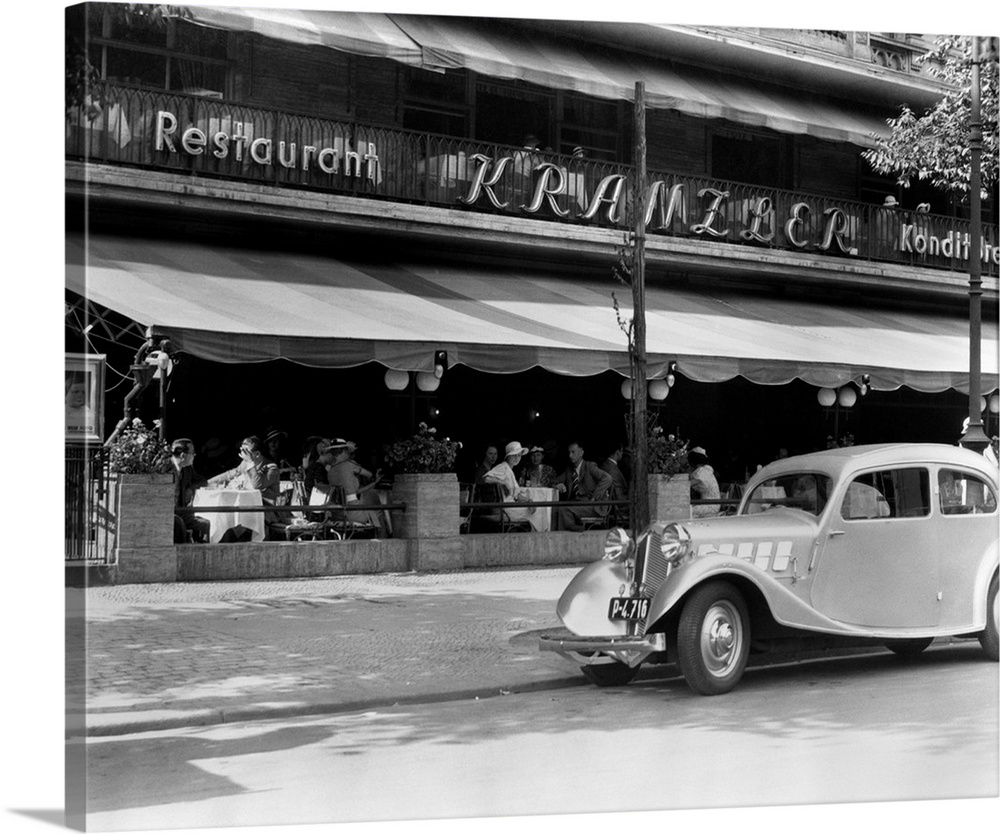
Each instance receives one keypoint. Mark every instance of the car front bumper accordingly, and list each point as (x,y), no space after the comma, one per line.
(588,651)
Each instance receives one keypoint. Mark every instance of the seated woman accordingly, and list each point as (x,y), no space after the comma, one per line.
(347,474)
(503,474)
(538,473)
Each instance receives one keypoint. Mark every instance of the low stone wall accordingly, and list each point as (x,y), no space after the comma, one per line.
(284,560)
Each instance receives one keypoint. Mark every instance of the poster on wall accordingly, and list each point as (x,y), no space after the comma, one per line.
(84,393)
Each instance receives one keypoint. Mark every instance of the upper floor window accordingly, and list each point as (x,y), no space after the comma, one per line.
(747,157)
(592,125)
(435,102)
(162,53)
(509,112)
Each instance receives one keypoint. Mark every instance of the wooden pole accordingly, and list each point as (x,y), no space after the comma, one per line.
(639,492)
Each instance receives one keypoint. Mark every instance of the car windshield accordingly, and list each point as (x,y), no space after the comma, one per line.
(804,490)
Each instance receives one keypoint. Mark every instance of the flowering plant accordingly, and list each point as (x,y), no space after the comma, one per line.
(666,454)
(139,450)
(424,452)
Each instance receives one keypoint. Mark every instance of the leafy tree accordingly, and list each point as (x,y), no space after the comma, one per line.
(934,147)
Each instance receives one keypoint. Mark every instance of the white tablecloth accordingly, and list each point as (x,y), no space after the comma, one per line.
(222,521)
(540,518)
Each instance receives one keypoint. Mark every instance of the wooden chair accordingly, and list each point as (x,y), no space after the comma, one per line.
(348,527)
(598,516)
(494,517)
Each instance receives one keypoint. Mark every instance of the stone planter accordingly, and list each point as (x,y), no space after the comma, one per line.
(430,521)
(431,506)
(143,506)
(669,497)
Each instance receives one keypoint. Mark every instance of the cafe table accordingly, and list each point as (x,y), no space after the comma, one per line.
(540,518)
(222,520)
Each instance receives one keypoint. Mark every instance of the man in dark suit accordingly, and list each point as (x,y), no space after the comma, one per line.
(619,486)
(186,481)
(582,479)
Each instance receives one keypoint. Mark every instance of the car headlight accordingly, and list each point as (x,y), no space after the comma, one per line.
(675,544)
(618,546)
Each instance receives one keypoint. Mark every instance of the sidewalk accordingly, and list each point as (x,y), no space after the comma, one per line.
(186,654)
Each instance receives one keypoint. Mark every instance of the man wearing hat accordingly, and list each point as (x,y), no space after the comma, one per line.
(272,443)
(703,483)
(582,479)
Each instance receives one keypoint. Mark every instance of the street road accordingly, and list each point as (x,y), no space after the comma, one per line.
(867,728)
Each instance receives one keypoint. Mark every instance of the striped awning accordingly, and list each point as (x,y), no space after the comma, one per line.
(358,33)
(242,305)
(497,49)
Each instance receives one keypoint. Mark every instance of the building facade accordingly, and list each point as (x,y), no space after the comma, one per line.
(309,204)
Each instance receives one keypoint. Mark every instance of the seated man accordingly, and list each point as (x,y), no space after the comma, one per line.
(186,481)
(582,479)
(254,472)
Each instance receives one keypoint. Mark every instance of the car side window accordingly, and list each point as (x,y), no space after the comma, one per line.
(961,493)
(889,493)
(807,491)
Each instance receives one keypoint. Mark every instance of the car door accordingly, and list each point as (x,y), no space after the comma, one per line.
(878,564)
(965,506)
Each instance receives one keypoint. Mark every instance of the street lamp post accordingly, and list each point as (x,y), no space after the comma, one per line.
(974,438)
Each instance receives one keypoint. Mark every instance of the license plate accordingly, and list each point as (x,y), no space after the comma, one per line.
(628,608)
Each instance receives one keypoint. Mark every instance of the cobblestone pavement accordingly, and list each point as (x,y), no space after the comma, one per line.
(182,654)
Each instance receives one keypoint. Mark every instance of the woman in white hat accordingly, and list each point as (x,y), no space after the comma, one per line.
(703,482)
(503,472)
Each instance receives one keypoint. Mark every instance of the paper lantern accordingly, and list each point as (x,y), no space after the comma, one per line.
(396,380)
(847,396)
(658,389)
(994,404)
(627,389)
(427,382)
(826,397)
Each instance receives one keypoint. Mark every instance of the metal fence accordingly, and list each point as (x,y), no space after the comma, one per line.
(89,517)
(211,137)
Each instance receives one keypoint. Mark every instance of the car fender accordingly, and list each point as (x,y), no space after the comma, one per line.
(786,607)
(990,565)
(583,606)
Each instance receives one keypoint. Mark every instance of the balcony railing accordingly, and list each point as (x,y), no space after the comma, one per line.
(213,138)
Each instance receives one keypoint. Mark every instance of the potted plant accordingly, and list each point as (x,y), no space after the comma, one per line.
(425,480)
(138,450)
(143,503)
(669,490)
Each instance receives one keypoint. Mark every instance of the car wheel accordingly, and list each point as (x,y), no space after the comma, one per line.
(610,674)
(909,648)
(713,638)
(988,639)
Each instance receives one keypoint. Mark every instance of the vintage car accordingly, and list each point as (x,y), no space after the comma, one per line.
(888,545)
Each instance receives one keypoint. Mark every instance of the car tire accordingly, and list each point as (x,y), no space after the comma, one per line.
(988,638)
(909,648)
(713,638)
(610,674)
